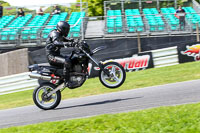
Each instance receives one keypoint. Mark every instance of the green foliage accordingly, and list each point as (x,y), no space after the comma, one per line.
(95,7)
(172,119)
(166,4)
(8,10)
(3,3)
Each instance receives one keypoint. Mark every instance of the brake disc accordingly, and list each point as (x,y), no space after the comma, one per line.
(45,97)
(111,79)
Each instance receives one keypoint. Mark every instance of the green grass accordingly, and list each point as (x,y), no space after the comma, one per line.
(172,119)
(139,79)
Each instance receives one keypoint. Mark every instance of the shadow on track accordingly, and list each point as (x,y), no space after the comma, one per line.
(98,103)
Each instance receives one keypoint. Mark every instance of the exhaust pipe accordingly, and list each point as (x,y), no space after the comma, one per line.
(39,76)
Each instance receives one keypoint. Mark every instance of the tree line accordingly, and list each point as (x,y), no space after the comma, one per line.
(95,7)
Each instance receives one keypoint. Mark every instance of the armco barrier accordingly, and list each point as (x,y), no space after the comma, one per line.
(165,57)
(17,82)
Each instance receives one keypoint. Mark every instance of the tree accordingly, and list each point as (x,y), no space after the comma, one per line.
(4,3)
(95,7)
(7,10)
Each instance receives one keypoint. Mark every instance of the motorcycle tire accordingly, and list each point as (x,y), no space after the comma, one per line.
(117,73)
(42,101)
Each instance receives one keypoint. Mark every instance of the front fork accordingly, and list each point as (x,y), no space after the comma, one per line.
(104,70)
(98,64)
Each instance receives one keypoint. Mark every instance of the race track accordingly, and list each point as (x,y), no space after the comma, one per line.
(131,100)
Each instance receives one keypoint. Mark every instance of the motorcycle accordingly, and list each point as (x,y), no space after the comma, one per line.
(51,79)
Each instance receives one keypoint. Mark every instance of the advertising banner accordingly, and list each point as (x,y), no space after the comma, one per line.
(189,52)
(136,62)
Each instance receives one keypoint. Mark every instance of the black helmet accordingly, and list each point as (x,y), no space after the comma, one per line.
(63,27)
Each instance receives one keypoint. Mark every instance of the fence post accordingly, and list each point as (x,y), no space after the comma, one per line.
(197,30)
(139,42)
(82,19)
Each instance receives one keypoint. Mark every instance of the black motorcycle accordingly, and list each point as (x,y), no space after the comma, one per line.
(51,79)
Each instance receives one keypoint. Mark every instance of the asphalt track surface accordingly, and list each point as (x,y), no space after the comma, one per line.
(124,101)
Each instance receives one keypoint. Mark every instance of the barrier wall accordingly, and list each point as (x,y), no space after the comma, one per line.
(122,47)
(116,48)
(14,62)
(189,52)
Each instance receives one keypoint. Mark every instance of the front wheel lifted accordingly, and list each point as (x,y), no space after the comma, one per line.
(117,75)
(41,99)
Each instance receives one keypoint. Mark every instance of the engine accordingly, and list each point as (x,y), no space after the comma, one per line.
(77,79)
(77,68)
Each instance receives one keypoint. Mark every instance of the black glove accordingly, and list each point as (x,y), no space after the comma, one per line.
(66,39)
(73,44)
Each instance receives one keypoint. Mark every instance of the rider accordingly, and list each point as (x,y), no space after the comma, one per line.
(55,41)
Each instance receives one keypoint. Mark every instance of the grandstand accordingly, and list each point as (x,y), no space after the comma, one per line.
(29,27)
(134,20)
(149,19)
(75,18)
(114,21)
(52,23)
(121,20)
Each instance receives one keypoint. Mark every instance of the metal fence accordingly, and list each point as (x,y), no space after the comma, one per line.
(19,35)
(151,24)
(109,26)
(196,6)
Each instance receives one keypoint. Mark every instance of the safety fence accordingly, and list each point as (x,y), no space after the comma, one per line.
(151,23)
(35,29)
(165,57)
(145,25)
(16,83)
(109,26)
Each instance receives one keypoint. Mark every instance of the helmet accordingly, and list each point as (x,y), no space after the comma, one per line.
(63,27)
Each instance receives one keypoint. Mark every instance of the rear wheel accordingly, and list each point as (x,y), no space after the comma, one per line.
(117,75)
(41,99)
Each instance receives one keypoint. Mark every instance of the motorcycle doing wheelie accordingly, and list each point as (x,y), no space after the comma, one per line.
(51,79)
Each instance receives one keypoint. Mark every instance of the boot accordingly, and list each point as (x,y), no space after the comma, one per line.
(66,76)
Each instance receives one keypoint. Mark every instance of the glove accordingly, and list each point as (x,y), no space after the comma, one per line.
(73,44)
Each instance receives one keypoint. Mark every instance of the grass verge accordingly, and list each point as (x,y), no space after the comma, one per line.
(139,79)
(172,119)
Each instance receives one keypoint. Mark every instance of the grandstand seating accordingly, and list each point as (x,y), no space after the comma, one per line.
(170,17)
(52,23)
(192,18)
(33,28)
(11,31)
(155,21)
(5,20)
(74,18)
(114,21)
(134,20)
(28,28)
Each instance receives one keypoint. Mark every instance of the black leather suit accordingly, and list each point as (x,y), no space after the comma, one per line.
(54,43)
